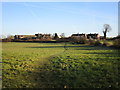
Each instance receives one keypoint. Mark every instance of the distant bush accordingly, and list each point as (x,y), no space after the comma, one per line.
(116,43)
(7,40)
(107,43)
(83,40)
(86,41)
(79,40)
(97,43)
(93,42)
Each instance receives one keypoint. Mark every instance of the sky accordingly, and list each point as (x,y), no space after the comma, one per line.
(24,18)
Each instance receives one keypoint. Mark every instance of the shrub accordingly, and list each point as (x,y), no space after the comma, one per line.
(81,40)
(107,43)
(97,43)
(91,42)
(86,41)
(116,43)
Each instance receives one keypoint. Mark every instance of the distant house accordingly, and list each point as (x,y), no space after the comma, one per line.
(101,37)
(23,37)
(93,36)
(87,36)
(33,37)
(78,35)
(65,39)
(78,38)
(43,36)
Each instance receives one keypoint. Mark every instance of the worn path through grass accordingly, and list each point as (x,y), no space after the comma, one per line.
(21,60)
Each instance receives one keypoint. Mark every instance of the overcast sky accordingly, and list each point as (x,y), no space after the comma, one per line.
(59,17)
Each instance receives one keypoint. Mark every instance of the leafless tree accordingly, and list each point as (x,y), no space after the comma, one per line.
(2,36)
(62,35)
(56,36)
(106,28)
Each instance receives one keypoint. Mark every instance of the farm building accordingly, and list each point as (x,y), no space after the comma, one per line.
(33,37)
(87,36)
(24,37)
(93,36)
(43,36)
(48,37)
(65,39)
(78,35)
(81,35)
(78,38)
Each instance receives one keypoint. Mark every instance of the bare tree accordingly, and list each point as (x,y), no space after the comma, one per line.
(107,28)
(10,37)
(2,36)
(56,36)
(62,35)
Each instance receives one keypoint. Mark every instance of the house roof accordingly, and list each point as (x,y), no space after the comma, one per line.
(77,34)
(95,34)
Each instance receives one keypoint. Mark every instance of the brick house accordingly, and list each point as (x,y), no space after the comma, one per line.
(43,36)
(93,36)
(20,37)
(78,35)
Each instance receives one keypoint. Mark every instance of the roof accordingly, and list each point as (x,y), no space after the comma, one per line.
(25,36)
(77,34)
(93,34)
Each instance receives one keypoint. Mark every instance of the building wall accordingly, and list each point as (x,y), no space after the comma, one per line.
(87,36)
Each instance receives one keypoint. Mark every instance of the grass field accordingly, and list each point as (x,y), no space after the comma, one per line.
(49,65)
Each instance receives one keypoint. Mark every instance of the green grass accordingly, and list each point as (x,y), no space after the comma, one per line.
(48,65)
(108,42)
(21,60)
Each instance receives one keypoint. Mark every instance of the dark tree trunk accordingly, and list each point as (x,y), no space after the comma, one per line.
(104,35)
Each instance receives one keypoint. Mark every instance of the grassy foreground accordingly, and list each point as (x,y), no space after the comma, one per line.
(48,65)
